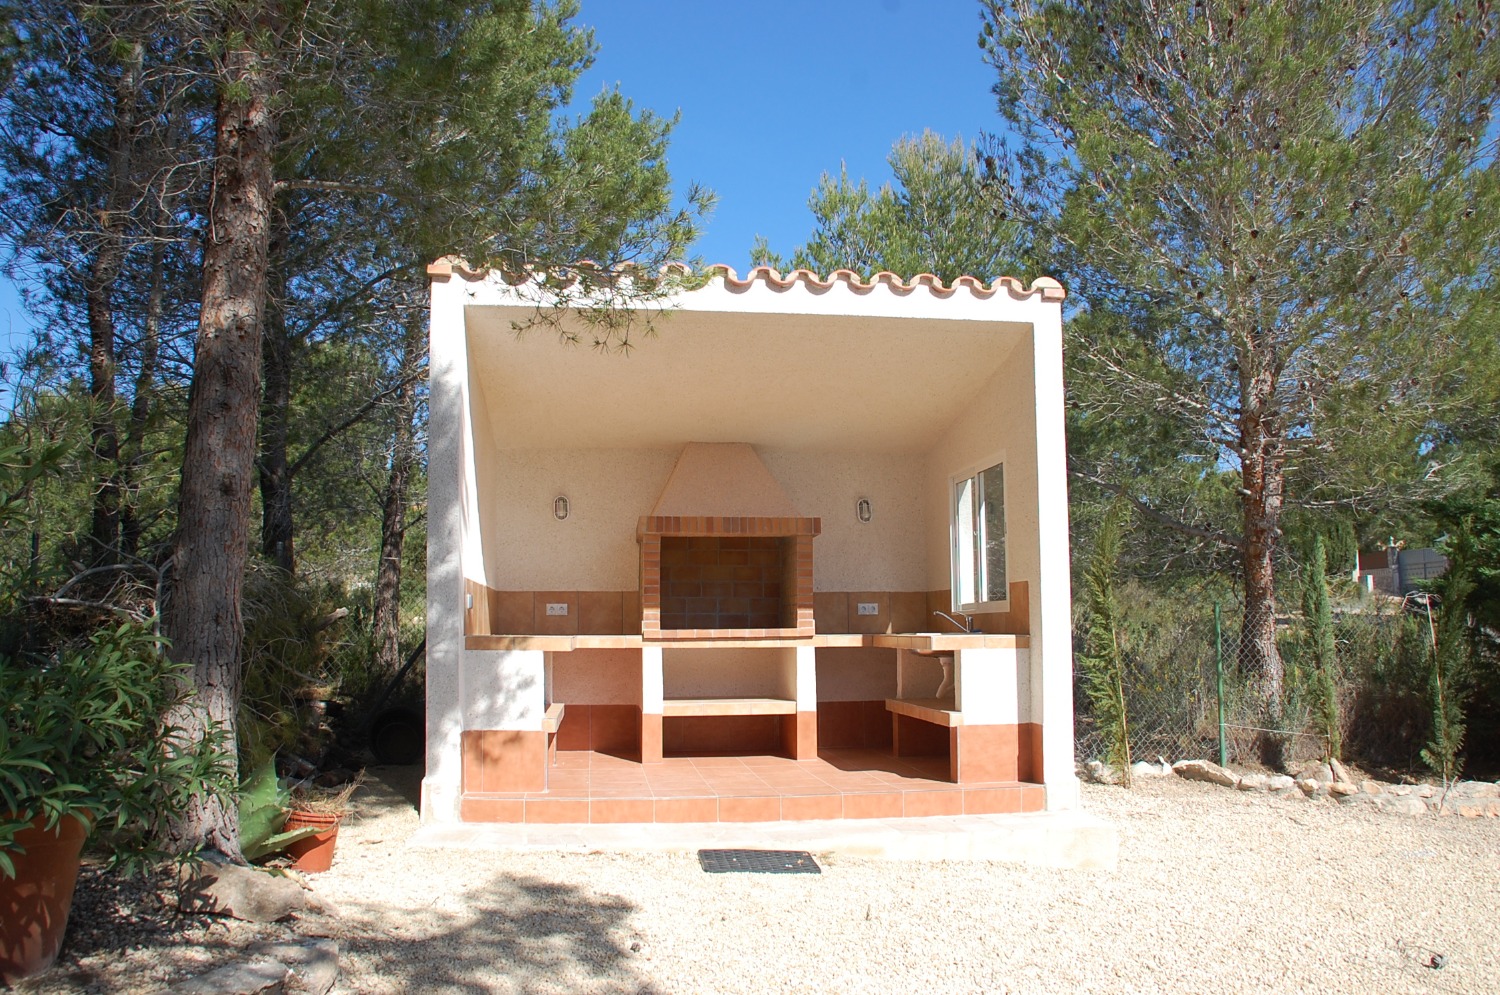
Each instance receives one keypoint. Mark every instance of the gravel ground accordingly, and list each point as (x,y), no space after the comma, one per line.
(1216,890)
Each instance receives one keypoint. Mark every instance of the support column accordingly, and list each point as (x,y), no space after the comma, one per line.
(1051,669)
(652,692)
(803,740)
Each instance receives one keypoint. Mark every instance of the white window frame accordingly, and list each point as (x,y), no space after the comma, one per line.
(967,533)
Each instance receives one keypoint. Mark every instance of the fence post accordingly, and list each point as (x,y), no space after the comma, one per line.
(1219,670)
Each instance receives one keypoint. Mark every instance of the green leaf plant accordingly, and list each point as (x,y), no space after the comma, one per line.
(81,735)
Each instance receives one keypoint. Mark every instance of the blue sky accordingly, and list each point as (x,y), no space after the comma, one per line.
(775,93)
(772,95)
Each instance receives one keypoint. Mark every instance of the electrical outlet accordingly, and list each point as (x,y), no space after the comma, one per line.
(869,608)
(555,608)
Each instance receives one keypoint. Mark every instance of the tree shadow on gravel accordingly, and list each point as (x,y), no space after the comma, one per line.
(113,913)
(516,934)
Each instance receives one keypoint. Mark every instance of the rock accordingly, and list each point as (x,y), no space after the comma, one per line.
(1202,770)
(1279,782)
(1098,772)
(1371,787)
(1399,804)
(211,888)
(1310,786)
(1342,789)
(1340,772)
(1426,791)
(1253,782)
(246,978)
(1401,790)
(1475,789)
(315,963)
(1322,773)
(1472,808)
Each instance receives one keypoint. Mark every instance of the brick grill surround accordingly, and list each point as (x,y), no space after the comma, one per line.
(705,577)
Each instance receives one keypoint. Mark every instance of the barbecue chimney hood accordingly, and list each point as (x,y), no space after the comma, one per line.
(724,553)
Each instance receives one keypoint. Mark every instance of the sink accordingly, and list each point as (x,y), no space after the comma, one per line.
(934,642)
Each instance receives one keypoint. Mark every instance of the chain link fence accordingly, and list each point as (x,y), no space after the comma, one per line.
(1196,687)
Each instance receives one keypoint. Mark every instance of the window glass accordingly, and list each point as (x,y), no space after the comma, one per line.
(979,538)
(965,566)
(992,532)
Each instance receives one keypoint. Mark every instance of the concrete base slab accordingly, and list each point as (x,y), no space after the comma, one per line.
(1044,839)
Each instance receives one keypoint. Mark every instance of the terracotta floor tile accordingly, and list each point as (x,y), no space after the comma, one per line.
(873,805)
(590,786)
(554,810)
(822,806)
(815,788)
(479,809)
(752,809)
(622,810)
(569,774)
(677,782)
(925,803)
(991,801)
(687,810)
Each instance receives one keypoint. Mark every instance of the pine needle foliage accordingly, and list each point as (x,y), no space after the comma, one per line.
(1103,659)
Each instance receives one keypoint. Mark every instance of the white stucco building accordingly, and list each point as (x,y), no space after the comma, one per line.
(700,582)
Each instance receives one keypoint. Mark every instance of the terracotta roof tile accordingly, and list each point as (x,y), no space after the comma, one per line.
(1048,288)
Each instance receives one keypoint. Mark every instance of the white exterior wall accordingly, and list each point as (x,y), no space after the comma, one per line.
(448,449)
(877,436)
(730,672)
(887,554)
(608,490)
(859,674)
(595,677)
(1052,606)
(1022,425)
(998,425)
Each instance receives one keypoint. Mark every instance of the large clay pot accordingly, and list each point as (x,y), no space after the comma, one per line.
(34,904)
(312,853)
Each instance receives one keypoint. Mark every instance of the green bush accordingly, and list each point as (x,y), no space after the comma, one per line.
(83,735)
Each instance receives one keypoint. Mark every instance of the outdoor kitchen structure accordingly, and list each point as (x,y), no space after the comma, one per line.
(800,553)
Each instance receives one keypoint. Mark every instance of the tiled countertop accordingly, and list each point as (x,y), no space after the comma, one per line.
(919,641)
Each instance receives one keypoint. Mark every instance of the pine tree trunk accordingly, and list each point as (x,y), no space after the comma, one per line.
(212,545)
(1263,479)
(387,614)
(276,529)
(133,456)
(99,289)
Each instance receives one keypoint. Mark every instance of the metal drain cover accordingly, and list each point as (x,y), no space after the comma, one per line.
(758,862)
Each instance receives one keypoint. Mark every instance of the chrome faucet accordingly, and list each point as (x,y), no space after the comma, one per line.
(967,625)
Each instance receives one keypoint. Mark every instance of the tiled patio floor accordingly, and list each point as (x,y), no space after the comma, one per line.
(595,787)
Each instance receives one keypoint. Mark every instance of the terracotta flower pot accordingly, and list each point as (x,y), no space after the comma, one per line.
(314,853)
(34,904)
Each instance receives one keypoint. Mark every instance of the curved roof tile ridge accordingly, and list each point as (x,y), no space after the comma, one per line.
(1046,286)
(1049,288)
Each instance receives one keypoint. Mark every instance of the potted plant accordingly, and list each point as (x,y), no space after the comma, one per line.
(82,749)
(318,809)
